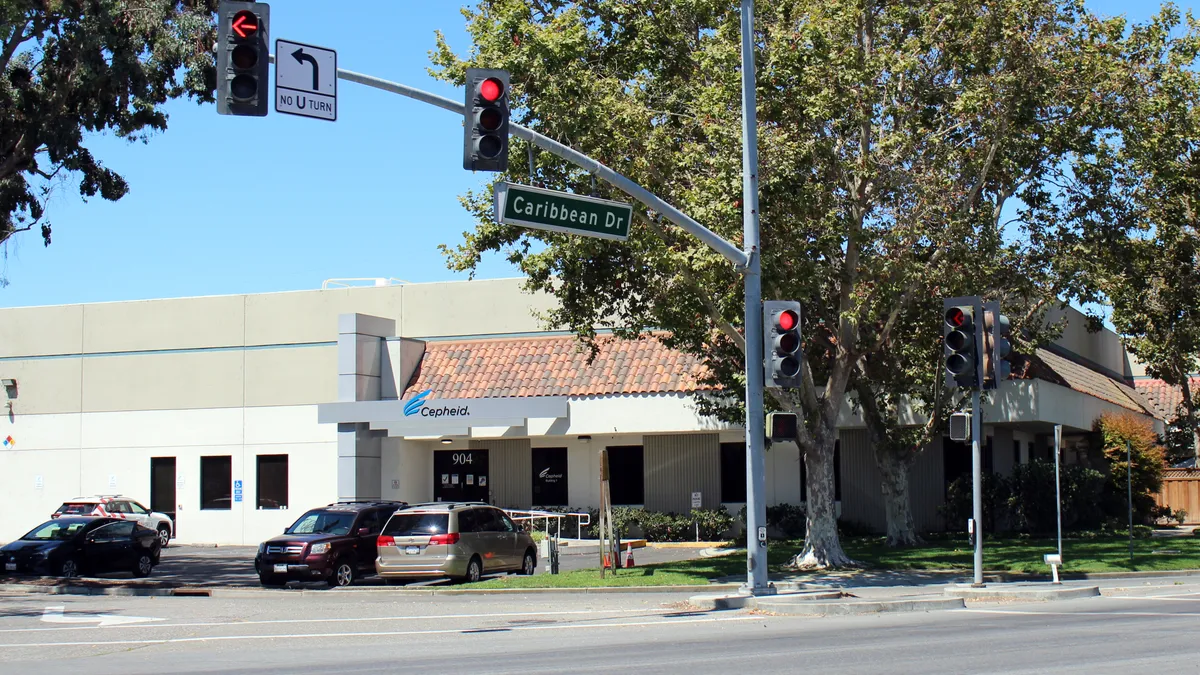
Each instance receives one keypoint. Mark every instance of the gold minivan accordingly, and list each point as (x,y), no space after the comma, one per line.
(462,541)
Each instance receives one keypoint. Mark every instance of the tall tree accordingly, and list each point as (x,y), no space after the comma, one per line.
(1126,207)
(891,136)
(71,68)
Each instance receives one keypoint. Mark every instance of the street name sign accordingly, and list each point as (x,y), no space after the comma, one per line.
(561,212)
(305,80)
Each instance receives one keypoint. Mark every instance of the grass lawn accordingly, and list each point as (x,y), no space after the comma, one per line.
(1001,555)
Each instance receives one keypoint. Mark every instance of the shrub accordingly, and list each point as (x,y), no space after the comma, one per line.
(714,523)
(1149,462)
(959,506)
(1031,503)
(789,519)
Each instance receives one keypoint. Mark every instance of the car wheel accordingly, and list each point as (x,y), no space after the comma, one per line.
(164,535)
(343,573)
(474,570)
(529,564)
(68,568)
(144,565)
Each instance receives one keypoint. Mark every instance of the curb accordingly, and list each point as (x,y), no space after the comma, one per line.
(740,601)
(847,608)
(688,544)
(1025,594)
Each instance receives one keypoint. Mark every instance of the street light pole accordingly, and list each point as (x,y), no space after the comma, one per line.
(756,509)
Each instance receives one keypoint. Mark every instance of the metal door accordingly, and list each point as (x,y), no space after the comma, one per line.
(162,488)
(460,475)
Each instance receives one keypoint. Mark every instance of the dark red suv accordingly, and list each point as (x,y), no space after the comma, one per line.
(334,543)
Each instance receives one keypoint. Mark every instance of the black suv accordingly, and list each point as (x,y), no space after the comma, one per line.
(334,543)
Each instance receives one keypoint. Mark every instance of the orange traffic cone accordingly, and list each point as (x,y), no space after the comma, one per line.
(606,564)
(629,555)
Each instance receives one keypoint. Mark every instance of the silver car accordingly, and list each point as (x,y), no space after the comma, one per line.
(462,541)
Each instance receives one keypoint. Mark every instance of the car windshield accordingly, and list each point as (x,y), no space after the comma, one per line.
(56,530)
(322,522)
(76,508)
(416,524)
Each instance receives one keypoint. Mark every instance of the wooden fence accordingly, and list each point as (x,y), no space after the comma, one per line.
(1181,490)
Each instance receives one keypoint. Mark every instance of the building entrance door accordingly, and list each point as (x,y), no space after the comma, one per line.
(162,488)
(461,476)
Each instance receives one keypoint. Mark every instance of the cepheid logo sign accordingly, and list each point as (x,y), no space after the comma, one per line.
(417,406)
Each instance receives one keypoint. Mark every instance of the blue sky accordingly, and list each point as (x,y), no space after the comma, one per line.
(371,195)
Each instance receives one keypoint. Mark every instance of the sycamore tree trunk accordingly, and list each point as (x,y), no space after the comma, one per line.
(822,548)
(897,502)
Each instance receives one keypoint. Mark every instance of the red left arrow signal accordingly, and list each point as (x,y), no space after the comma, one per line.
(245,23)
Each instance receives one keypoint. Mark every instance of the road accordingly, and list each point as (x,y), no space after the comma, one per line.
(364,631)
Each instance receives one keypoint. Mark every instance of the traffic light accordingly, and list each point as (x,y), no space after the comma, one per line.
(960,426)
(781,426)
(996,346)
(781,344)
(961,342)
(485,129)
(243,60)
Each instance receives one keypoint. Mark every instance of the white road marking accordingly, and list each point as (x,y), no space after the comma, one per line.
(407,617)
(1177,597)
(444,631)
(1030,612)
(54,614)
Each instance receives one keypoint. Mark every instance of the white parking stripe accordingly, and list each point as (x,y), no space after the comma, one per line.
(444,631)
(408,617)
(1180,597)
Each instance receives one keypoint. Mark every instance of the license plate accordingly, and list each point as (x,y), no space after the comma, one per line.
(412,550)
(10,567)
(281,569)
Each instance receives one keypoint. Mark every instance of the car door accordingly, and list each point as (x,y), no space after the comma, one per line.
(141,514)
(109,547)
(499,550)
(366,535)
(508,532)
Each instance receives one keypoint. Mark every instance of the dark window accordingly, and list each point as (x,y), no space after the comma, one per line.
(272,486)
(371,520)
(550,476)
(627,475)
(1016,453)
(216,482)
(989,459)
(417,524)
(506,523)
(114,531)
(733,473)
(468,521)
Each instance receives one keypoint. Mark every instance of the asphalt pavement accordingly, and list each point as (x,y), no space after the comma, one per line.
(1145,626)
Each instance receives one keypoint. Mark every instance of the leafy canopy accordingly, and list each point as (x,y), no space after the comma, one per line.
(70,68)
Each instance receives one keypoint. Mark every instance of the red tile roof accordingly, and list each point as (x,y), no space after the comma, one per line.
(554,366)
(1164,398)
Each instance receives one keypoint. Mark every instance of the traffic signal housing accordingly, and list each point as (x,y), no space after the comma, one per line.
(962,343)
(781,426)
(996,345)
(243,59)
(781,344)
(485,139)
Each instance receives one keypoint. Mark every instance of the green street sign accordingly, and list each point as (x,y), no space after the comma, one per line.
(561,212)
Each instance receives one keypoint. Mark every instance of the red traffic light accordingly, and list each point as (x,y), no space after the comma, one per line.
(245,23)
(787,320)
(956,317)
(491,90)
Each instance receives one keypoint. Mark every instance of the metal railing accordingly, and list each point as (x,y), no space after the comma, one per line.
(533,517)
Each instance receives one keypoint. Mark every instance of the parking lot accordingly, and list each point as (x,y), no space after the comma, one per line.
(185,565)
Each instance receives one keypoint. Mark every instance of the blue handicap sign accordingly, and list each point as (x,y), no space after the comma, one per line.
(237,485)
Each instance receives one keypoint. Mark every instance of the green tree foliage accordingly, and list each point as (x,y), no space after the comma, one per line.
(892,135)
(73,68)
(1149,462)
(1127,202)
